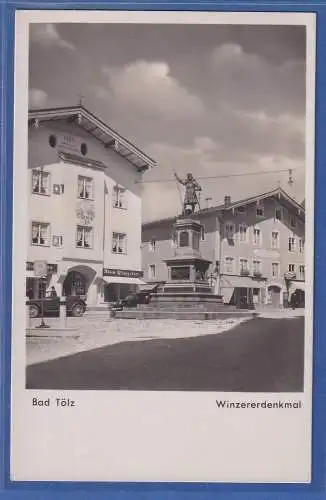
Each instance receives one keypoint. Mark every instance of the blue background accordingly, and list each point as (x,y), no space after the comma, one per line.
(161,491)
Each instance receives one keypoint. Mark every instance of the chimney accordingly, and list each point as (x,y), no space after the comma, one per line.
(227,201)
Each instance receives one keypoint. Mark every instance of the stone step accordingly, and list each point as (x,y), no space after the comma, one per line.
(182,315)
(185,306)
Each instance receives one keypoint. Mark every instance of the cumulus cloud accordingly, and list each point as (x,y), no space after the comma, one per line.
(149,88)
(249,81)
(203,160)
(47,35)
(37,98)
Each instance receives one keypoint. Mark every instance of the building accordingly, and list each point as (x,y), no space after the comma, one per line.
(84,206)
(256,246)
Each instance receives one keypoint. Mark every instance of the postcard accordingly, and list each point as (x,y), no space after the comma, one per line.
(163,247)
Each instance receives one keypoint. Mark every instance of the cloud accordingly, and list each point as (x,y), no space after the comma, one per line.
(203,159)
(47,35)
(37,98)
(149,88)
(249,81)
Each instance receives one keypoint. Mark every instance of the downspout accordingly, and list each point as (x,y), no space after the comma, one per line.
(217,254)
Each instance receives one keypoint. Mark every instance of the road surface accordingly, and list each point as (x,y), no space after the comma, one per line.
(261,355)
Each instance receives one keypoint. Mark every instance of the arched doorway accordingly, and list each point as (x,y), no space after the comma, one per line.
(274,292)
(74,284)
(77,281)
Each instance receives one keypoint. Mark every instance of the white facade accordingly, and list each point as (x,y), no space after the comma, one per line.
(84,206)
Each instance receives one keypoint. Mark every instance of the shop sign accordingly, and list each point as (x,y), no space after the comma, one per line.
(122,273)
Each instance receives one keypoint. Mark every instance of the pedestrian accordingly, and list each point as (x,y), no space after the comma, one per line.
(53,293)
(293,301)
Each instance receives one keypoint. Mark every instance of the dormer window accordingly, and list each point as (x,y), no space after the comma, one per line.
(240,210)
(229,230)
(259,209)
(292,220)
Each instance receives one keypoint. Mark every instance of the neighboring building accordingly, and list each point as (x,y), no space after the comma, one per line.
(256,246)
(84,206)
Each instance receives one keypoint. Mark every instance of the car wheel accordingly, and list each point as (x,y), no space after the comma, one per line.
(33,311)
(77,310)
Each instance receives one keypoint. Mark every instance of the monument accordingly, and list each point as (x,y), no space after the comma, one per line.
(187,294)
(187,287)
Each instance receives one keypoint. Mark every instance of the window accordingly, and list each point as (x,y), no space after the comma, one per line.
(119,243)
(256,266)
(278,214)
(301,272)
(40,233)
(152,272)
(301,245)
(52,141)
(202,233)
(257,236)
(229,230)
(291,244)
(229,265)
(41,290)
(275,239)
(291,268)
(83,149)
(119,197)
(260,209)
(84,237)
(152,245)
(244,269)
(57,241)
(275,269)
(240,210)
(85,188)
(292,220)
(243,233)
(40,182)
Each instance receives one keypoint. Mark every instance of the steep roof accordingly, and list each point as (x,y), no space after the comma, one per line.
(98,129)
(279,193)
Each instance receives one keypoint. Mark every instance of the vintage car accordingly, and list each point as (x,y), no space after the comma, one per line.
(76,306)
(140,297)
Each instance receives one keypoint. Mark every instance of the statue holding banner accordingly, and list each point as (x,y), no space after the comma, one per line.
(191,198)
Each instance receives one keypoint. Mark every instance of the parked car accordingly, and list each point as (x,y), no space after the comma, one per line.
(76,306)
(132,300)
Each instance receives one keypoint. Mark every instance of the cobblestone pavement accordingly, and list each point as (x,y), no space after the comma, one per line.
(98,330)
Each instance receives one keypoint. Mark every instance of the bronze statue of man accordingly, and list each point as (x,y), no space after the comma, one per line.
(192,187)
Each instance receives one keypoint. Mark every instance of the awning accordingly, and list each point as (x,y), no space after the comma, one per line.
(123,280)
(241,282)
(149,287)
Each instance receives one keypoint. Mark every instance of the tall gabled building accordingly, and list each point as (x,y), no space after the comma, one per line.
(84,205)
(256,246)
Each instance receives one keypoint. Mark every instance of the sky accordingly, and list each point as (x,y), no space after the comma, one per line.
(213,100)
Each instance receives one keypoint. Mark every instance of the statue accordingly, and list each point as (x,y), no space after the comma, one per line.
(190,198)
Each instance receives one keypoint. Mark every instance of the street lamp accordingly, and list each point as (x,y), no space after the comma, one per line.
(40,272)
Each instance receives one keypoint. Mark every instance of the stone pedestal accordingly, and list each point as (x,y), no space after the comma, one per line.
(187,287)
